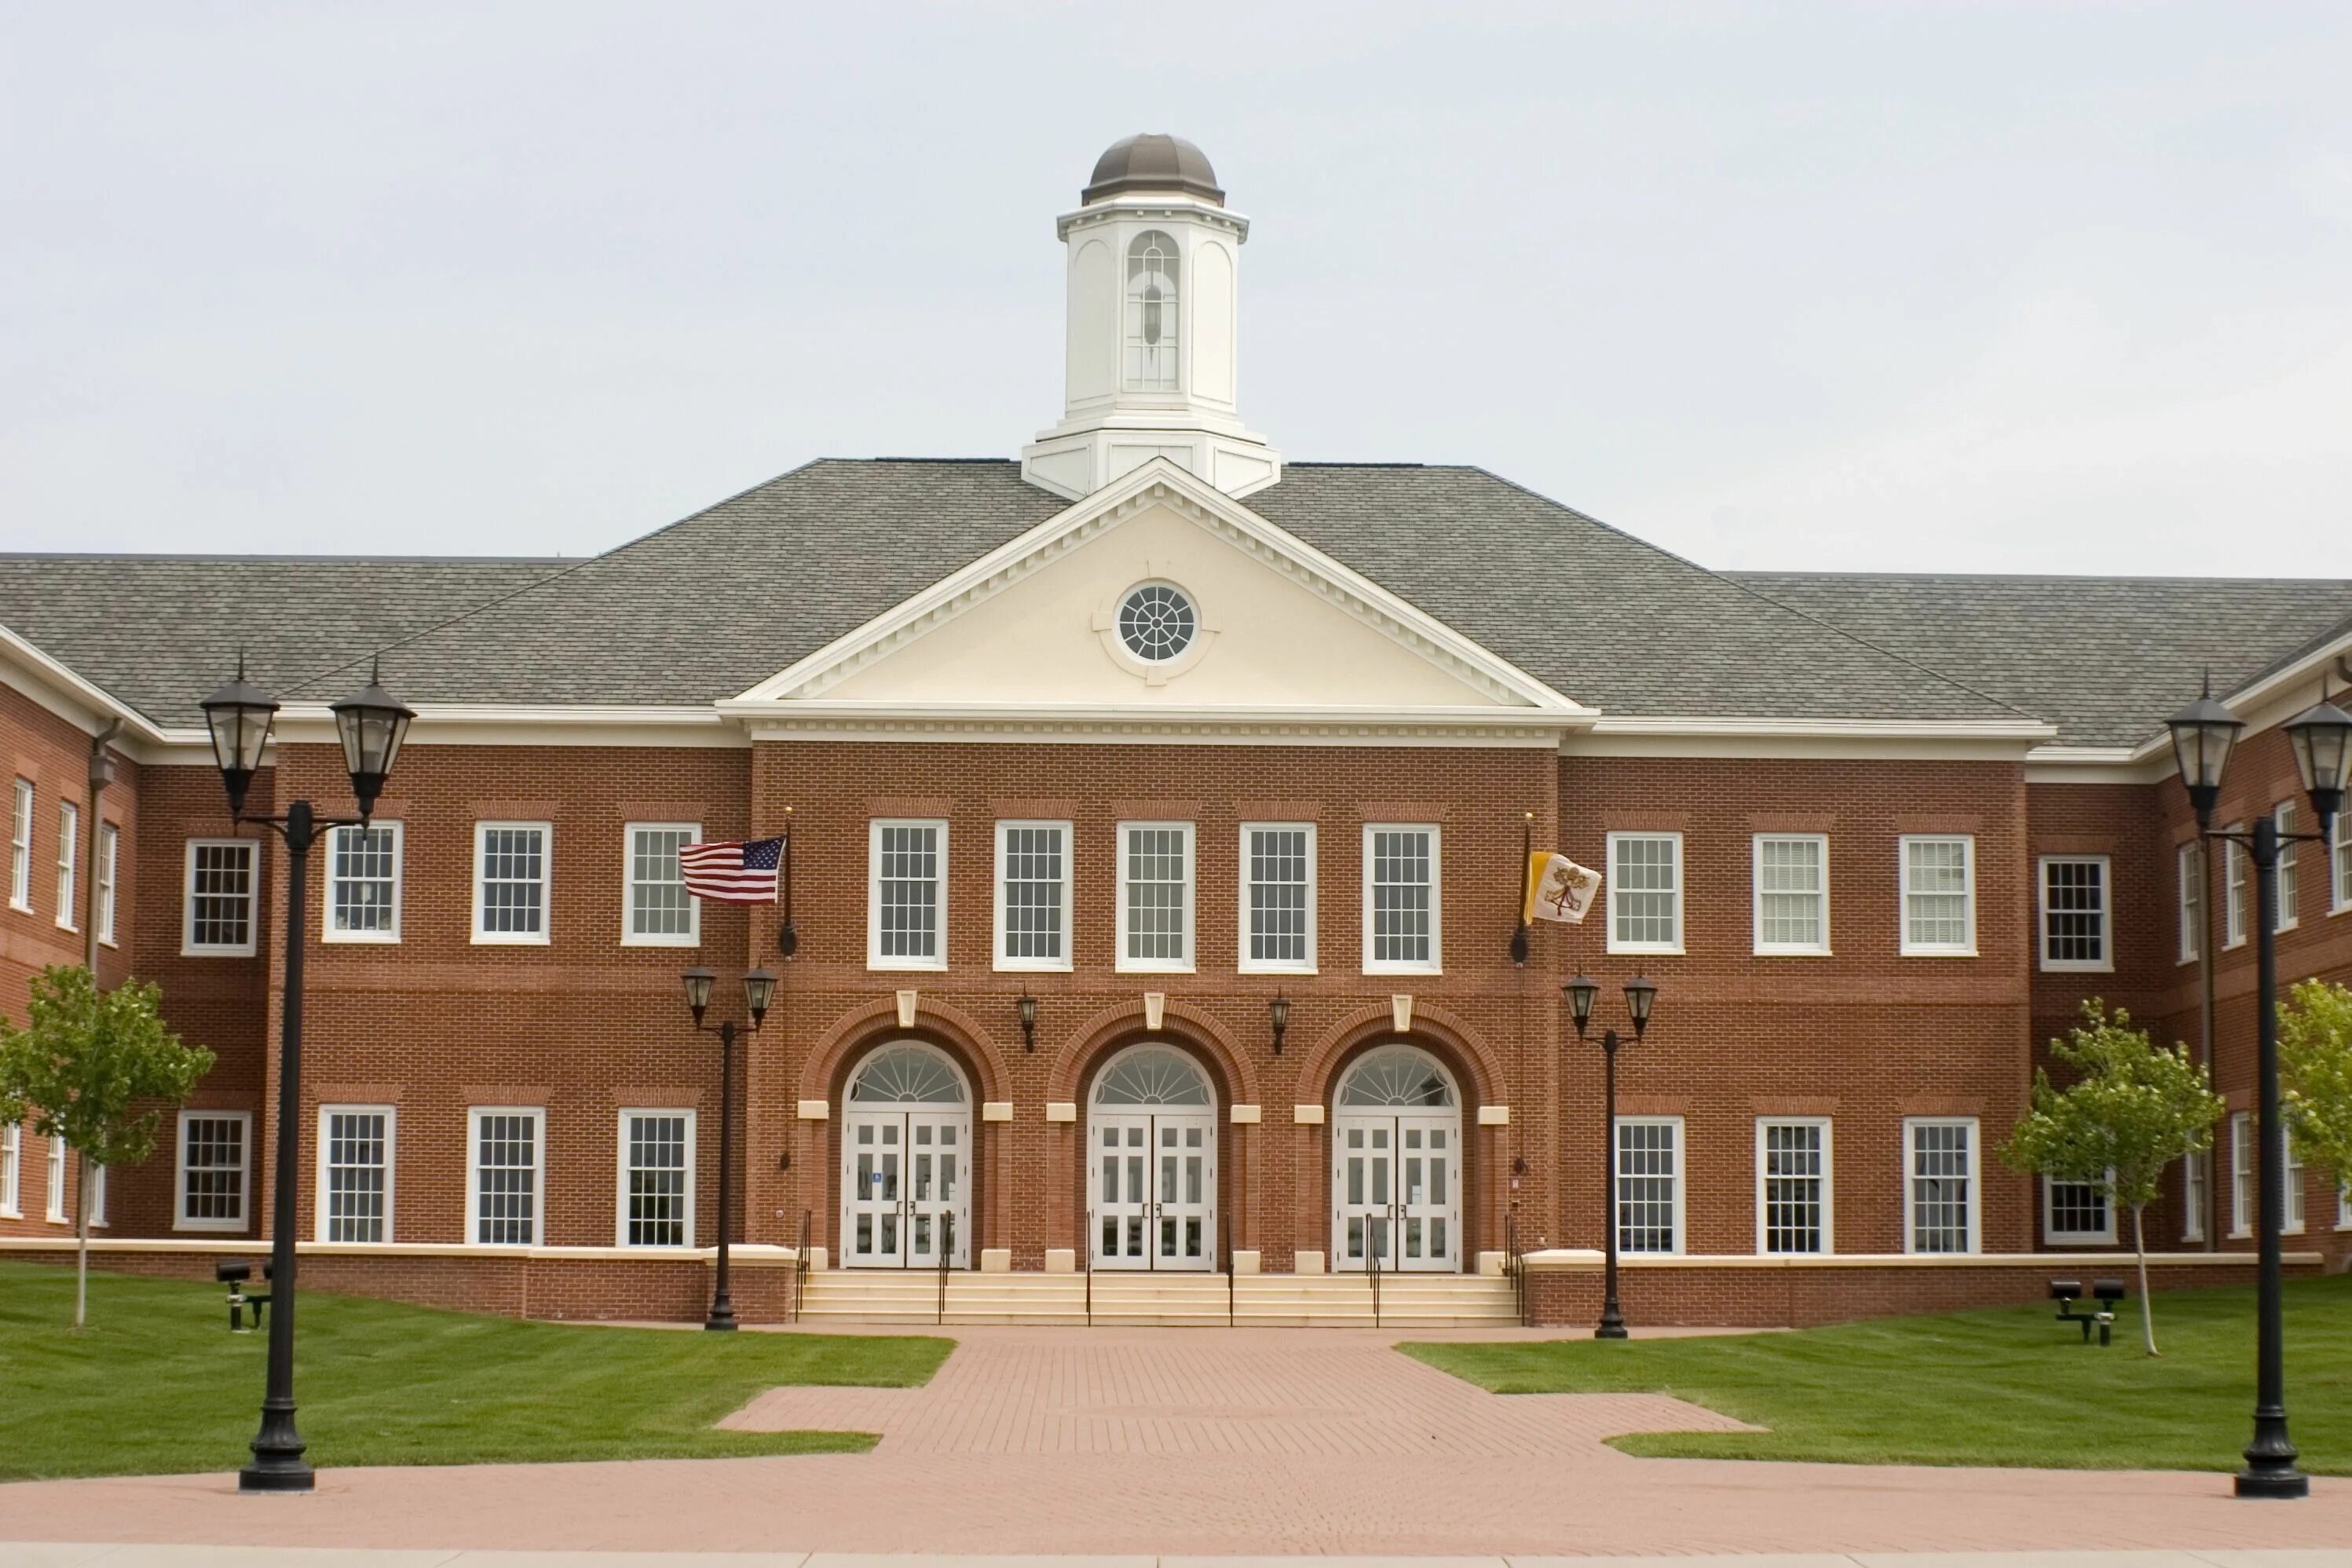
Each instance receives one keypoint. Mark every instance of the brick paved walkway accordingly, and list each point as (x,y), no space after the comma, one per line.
(1199,1441)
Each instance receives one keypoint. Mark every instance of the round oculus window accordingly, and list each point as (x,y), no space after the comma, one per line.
(1157,622)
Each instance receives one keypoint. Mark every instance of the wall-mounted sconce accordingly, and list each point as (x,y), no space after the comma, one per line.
(784,1161)
(1278,1012)
(1027,1005)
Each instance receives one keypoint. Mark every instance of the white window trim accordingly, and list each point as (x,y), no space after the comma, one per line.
(1124,964)
(189,947)
(621,1178)
(1000,958)
(2194,1168)
(1756,912)
(327,932)
(474,1114)
(2050,1231)
(544,936)
(1681,1181)
(1975,1181)
(2290,862)
(2189,872)
(2237,898)
(2104,964)
(1829,1181)
(109,871)
(68,863)
(95,1195)
(1244,963)
(12,1172)
(1435,963)
(1609,890)
(2245,1189)
(630,938)
(1967,947)
(875,958)
(180,1220)
(2344,1207)
(2339,867)
(56,1159)
(20,848)
(2294,1212)
(319,1217)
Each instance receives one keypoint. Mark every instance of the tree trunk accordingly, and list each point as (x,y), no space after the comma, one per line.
(81,1243)
(2139,1249)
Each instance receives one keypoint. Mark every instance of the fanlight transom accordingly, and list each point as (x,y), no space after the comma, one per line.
(1397,1076)
(1153,1075)
(908,1073)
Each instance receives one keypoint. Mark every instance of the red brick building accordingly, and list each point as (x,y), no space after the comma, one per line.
(1155,729)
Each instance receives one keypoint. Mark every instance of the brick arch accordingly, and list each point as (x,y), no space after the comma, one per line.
(1475,1067)
(1093,1040)
(832,1055)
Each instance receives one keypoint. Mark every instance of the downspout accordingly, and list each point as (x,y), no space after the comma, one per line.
(102,774)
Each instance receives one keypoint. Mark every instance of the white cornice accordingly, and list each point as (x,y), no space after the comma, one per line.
(1088,725)
(1904,739)
(81,702)
(501,724)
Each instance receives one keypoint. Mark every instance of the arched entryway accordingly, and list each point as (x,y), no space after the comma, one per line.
(1396,1164)
(906,1160)
(1151,1182)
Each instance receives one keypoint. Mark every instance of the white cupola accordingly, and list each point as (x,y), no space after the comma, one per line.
(1154,299)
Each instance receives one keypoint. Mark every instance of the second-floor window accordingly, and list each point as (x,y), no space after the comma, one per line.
(1032,895)
(1939,895)
(660,913)
(1792,893)
(2238,866)
(20,848)
(511,881)
(1277,909)
(907,895)
(1646,893)
(109,857)
(2074,912)
(218,918)
(2341,895)
(363,902)
(1402,906)
(2290,885)
(1155,896)
(69,853)
(2190,869)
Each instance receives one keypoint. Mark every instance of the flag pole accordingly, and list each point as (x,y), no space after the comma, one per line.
(1526,858)
(788,936)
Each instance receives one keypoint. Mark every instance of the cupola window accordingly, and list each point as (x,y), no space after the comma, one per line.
(1152,269)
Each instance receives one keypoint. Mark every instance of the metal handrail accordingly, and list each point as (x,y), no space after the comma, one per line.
(800,1268)
(1372,1242)
(1514,1265)
(947,1251)
(1228,1246)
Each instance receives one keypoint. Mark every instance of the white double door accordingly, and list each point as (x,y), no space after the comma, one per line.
(1396,1191)
(906,1188)
(1151,1189)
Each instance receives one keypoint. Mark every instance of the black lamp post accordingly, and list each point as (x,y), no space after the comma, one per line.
(2203,735)
(1640,993)
(370,723)
(758,995)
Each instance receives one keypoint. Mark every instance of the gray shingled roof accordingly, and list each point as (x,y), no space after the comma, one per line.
(713,604)
(2103,658)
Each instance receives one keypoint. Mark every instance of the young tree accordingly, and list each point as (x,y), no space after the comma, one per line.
(2315,1059)
(2132,1109)
(89,1067)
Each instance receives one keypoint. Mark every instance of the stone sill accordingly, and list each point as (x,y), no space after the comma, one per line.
(1578,1260)
(742,1254)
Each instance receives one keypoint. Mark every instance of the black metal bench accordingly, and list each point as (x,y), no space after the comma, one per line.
(2106,1292)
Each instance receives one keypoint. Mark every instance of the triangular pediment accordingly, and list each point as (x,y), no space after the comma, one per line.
(1277,627)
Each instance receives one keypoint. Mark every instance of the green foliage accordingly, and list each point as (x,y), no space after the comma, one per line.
(92,1067)
(161,1387)
(2133,1109)
(2315,1060)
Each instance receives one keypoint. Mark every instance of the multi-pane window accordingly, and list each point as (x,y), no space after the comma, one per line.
(109,856)
(20,848)
(1940,1185)
(218,917)
(2074,912)
(1400,898)
(355,1173)
(1646,893)
(657,911)
(1792,893)
(212,1170)
(12,1157)
(2077,1211)
(511,881)
(1792,1184)
(1155,896)
(54,1211)
(363,901)
(2290,1194)
(657,1186)
(2192,869)
(95,1201)
(1277,910)
(1151,274)
(1939,896)
(2194,1169)
(2340,899)
(2238,866)
(907,895)
(502,1179)
(1649,1184)
(2241,1173)
(1032,895)
(68,859)
(2290,884)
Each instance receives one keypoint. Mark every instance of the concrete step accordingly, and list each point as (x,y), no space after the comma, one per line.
(1141,1298)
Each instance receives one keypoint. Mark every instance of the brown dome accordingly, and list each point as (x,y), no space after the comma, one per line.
(1154,163)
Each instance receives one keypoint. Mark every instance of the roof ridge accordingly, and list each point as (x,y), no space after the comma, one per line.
(1830,627)
(2052,577)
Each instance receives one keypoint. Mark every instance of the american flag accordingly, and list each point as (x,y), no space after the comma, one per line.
(733,874)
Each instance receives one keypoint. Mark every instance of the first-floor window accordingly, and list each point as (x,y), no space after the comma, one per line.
(12,1151)
(2241,1173)
(2193,1172)
(510,878)
(2344,1207)
(1155,896)
(660,913)
(93,1202)
(55,1209)
(1941,1198)
(1649,1184)
(362,902)
(1401,899)
(2290,1191)
(656,1178)
(2074,912)
(2077,1211)
(1279,898)
(212,1174)
(355,1173)
(218,918)
(502,1179)
(1032,895)
(1792,1184)
(906,896)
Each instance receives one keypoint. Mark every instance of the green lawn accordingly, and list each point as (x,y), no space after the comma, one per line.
(158,1385)
(2001,1387)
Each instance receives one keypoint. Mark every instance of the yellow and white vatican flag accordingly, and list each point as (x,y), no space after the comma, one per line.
(1559,889)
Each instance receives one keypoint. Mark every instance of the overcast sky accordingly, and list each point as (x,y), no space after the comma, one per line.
(2032,288)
